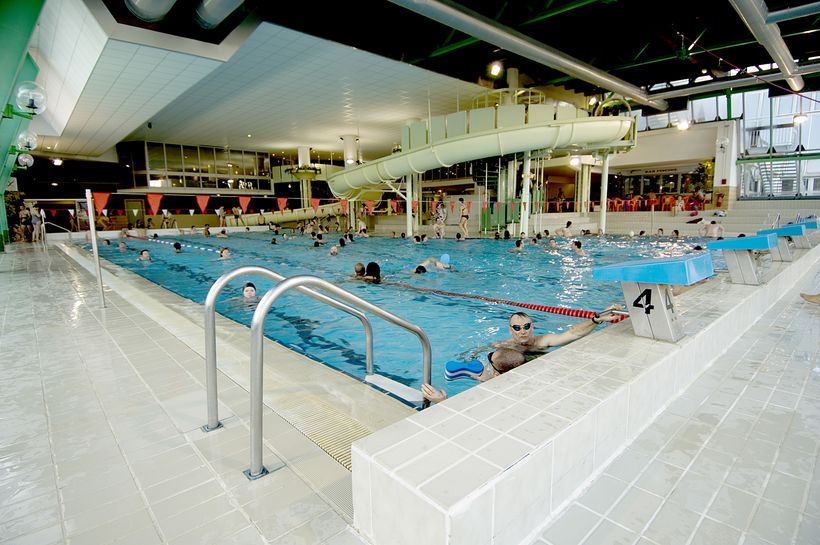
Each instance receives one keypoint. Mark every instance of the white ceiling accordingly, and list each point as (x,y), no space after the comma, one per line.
(106,82)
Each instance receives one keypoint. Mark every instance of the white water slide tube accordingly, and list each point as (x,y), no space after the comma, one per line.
(484,132)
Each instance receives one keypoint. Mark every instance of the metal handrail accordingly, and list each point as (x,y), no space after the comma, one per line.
(210,331)
(70,232)
(256,469)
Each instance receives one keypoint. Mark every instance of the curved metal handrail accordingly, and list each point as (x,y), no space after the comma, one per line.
(69,231)
(256,469)
(210,331)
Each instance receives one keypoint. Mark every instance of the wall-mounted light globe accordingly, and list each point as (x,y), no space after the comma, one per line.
(31,98)
(27,140)
(25,160)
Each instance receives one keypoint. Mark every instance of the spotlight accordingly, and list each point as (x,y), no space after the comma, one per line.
(495,69)
(574,161)
(57,162)
(799,119)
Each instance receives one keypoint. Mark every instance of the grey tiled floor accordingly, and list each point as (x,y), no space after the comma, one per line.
(99,433)
(100,442)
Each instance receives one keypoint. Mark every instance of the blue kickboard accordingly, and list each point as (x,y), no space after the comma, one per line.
(455,369)
(759,242)
(792,230)
(683,270)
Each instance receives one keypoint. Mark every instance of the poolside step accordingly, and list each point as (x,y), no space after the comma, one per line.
(396,388)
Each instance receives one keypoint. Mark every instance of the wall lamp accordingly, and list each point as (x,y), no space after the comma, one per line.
(30,100)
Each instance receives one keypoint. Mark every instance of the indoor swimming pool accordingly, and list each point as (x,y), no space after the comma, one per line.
(459,310)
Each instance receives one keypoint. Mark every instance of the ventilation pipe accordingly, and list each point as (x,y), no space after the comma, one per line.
(150,11)
(304,155)
(753,13)
(485,29)
(211,13)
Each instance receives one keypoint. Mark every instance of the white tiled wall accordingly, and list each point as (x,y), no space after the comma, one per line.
(492,464)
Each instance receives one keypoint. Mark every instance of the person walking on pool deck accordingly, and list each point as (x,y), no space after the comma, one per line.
(528,346)
(463,216)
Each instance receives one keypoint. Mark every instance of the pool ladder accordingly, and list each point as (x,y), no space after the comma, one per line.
(343,300)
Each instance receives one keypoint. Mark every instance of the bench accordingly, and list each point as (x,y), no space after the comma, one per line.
(741,258)
(795,231)
(646,286)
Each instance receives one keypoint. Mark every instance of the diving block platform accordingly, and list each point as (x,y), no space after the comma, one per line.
(741,257)
(795,231)
(646,284)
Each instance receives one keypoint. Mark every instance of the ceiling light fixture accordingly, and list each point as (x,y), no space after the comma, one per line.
(800,118)
(57,162)
(496,68)
(575,161)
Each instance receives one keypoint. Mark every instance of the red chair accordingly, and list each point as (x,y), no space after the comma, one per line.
(615,204)
(668,202)
(634,204)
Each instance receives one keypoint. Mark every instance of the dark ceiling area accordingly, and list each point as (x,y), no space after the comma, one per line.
(640,41)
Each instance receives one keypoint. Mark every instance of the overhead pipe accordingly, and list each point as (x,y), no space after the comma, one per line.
(720,85)
(211,13)
(753,13)
(481,27)
(796,12)
(150,11)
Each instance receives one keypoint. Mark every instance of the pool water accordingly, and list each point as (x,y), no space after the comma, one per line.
(455,325)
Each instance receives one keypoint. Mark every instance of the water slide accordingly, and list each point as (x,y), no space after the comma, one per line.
(484,132)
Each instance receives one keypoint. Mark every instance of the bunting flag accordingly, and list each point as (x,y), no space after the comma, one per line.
(484,205)
(469,206)
(177,211)
(53,212)
(243,203)
(434,207)
(314,203)
(153,202)
(133,211)
(370,205)
(105,212)
(100,200)
(120,212)
(164,211)
(71,211)
(395,206)
(343,204)
(202,201)
(282,202)
(415,206)
(452,206)
(191,211)
(261,210)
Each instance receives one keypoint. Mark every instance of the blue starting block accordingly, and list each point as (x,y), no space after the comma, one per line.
(741,257)
(795,231)
(646,284)
(809,224)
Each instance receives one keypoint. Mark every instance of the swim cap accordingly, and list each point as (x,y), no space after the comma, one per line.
(445,258)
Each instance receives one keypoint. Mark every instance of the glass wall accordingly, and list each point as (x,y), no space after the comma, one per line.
(155,164)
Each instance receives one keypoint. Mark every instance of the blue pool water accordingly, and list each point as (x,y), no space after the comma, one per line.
(454,325)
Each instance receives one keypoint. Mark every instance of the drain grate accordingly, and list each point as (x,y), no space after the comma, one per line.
(331,430)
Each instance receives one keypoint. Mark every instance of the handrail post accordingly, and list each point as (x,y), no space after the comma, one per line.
(210,332)
(256,469)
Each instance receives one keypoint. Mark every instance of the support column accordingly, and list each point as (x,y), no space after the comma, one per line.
(526,179)
(582,188)
(604,193)
(409,212)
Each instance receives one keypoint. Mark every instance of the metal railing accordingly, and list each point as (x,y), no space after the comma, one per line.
(256,469)
(210,332)
(60,227)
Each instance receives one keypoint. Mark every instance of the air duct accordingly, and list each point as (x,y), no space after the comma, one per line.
(485,29)
(211,13)
(150,11)
(753,13)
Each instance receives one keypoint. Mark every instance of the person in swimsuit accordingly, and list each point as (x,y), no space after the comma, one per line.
(463,217)
(528,346)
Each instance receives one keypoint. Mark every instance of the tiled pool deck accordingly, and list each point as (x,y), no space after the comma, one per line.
(100,440)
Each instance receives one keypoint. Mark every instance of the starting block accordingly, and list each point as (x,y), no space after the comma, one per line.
(795,231)
(646,284)
(740,257)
